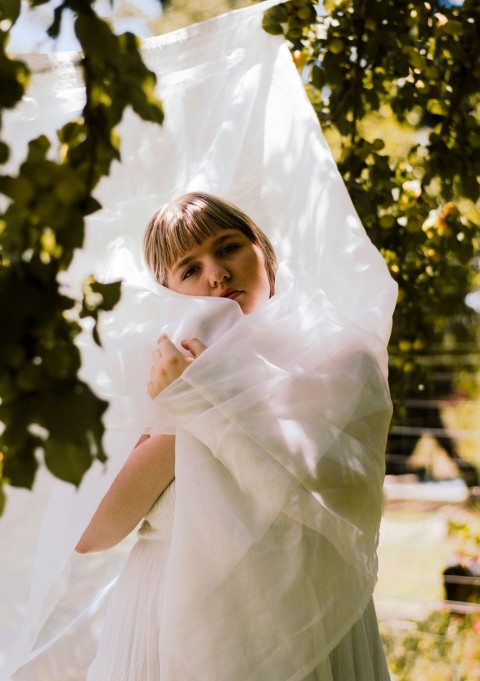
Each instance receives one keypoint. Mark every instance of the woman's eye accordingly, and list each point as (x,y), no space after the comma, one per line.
(229,248)
(188,273)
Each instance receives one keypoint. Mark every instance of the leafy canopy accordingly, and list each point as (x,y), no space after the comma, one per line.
(377,70)
(46,409)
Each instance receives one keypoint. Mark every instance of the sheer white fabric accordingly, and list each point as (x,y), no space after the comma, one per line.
(279,449)
(293,404)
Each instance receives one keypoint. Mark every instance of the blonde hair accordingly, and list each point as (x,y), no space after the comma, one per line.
(187,222)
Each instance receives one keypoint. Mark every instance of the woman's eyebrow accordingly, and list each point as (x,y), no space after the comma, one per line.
(188,259)
(181,263)
(224,237)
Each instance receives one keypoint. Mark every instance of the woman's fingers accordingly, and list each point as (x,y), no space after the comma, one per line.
(168,363)
(157,383)
(195,346)
(151,390)
(165,346)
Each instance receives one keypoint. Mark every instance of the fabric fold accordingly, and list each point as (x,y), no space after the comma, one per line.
(289,435)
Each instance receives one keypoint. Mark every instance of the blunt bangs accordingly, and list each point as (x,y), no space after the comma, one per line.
(187,222)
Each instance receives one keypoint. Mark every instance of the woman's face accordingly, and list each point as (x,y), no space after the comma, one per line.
(226,264)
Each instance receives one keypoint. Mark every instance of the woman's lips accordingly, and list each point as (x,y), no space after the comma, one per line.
(231,293)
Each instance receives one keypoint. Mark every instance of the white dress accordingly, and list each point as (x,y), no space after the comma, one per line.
(130,644)
(129,647)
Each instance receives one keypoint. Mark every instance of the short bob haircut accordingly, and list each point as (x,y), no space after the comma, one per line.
(188,221)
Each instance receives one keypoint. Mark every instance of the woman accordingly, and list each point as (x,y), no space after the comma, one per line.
(266,568)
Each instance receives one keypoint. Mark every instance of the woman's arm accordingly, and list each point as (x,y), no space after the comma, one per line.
(149,469)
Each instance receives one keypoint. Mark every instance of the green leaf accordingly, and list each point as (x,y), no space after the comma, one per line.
(110,293)
(452,27)
(278,13)
(71,412)
(38,148)
(67,460)
(20,189)
(273,19)
(336,46)
(14,76)
(20,468)
(4,152)
(90,205)
(96,38)
(271,26)
(437,107)
(53,30)
(317,77)
(10,9)
(95,334)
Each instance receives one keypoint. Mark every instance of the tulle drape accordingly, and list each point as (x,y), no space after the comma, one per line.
(238,124)
(273,554)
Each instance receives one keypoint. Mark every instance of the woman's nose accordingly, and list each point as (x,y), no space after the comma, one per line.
(217,273)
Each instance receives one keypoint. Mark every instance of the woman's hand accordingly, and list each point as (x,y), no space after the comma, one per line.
(168,363)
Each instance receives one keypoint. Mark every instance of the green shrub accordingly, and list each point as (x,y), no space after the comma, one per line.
(443,647)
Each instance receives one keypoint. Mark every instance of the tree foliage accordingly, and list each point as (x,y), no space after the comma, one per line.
(45,408)
(363,62)
(418,63)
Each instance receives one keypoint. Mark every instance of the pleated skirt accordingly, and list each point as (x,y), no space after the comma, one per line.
(129,646)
